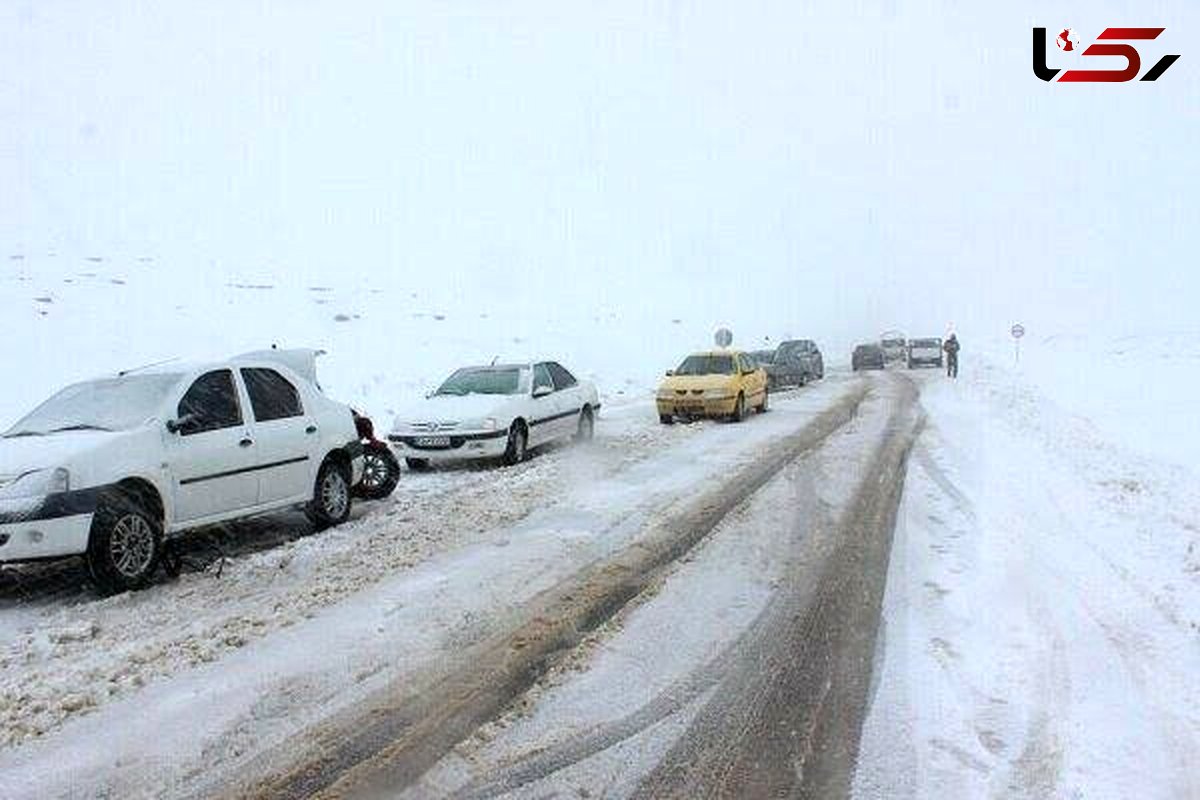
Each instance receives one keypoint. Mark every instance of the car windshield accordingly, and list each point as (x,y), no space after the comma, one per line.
(706,365)
(483,380)
(893,343)
(926,342)
(110,404)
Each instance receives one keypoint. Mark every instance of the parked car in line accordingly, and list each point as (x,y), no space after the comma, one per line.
(109,468)
(762,358)
(715,383)
(895,346)
(924,353)
(867,356)
(794,363)
(498,411)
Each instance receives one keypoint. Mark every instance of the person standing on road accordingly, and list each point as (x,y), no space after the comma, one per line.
(951,348)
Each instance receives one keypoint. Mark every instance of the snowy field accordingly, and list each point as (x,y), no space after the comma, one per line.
(1041,632)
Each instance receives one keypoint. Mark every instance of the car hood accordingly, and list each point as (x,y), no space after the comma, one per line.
(22,454)
(453,408)
(688,382)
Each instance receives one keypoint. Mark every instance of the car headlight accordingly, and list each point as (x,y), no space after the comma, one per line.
(717,394)
(38,483)
(665,394)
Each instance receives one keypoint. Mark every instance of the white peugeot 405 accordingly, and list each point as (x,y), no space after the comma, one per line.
(109,467)
(498,411)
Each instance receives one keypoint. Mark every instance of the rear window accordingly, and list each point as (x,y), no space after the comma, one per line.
(706,365)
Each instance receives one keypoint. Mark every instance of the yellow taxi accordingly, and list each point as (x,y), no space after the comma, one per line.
(715,383)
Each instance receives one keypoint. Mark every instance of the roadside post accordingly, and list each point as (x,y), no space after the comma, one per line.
(1017,331)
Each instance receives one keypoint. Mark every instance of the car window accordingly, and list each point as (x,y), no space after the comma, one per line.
(541,377)
(114,404)
(562,378)
(211,403)
(701,364)
(483,380)
(272,396)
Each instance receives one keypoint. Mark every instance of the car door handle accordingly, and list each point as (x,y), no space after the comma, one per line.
(311,429)
(246,442)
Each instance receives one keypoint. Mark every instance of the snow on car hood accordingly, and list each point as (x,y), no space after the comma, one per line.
(454,408)
(690,382)
(22,454)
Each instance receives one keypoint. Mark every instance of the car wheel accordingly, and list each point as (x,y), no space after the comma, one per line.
(125,545)
(666,419)
(381,473)
(330,505)
(587,426)
(739,409)
(762,408)
(518,440)
(417,464)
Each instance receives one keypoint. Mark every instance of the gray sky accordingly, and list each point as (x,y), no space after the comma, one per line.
(858,166)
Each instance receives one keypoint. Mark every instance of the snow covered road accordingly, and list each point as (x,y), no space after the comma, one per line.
(671,611)
(211,670)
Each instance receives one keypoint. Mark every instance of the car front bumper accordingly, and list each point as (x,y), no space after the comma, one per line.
(30,536)
(696,406)
(458,446)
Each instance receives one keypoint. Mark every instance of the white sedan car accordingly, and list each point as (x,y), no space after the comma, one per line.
(498,411)
(109,467)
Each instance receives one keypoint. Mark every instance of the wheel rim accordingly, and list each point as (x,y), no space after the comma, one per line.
(131,546)
(518,445)
(374,471)
(334,496)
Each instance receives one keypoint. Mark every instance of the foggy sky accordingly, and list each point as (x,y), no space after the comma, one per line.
(850,166)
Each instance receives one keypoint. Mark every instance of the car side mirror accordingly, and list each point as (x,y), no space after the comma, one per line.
(184,424)
(670,372)
(542,391)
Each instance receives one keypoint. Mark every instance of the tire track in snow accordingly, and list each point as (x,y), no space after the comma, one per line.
(392,741)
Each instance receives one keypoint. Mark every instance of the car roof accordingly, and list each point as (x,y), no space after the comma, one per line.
(724,351)
(301,361)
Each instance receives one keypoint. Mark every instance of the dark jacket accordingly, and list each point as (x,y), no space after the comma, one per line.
(951,346)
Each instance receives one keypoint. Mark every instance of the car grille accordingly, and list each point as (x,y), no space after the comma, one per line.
(683,392)
(434,427)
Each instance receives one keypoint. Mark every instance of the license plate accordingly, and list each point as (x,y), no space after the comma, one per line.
(433,441)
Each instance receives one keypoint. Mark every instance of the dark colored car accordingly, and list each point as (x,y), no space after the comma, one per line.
(763,358)
(867,356)
(795,363)
(924,353)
